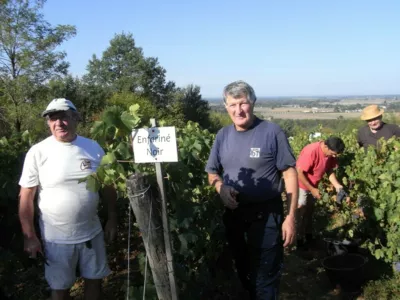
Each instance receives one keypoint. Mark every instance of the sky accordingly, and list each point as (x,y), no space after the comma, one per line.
(281,48)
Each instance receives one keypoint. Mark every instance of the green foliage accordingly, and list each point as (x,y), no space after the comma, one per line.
(295,127)
(126,99)
(173,115)
(374,177)
(194,108)
(372,213)
(289,126)
(124,68)
(194,211)
(299,142)
(218,120)
(4,125)
(115,125)
(90,99)
(391,118)
(28,55)
(12,153)
(195,214)
(385,288)
(113,131)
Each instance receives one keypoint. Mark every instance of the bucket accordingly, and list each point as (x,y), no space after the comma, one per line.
(346,270)
(335,247)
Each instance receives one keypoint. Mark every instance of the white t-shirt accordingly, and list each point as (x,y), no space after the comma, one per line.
(68,210)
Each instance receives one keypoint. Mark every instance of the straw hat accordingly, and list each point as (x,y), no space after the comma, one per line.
(371,112)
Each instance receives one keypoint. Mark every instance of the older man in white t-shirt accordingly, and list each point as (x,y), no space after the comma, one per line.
(71,231)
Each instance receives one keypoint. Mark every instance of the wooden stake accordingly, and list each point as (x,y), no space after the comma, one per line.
(167,238)
(146,205)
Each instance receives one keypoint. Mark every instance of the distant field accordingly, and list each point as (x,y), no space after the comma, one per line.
(364,102)
(299,111)
(298,114)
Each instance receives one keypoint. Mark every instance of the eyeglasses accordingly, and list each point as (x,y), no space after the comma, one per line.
(59,116)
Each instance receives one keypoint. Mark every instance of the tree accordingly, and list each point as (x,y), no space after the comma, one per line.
(193,106)
(3,123)
(28,56)
(218,120)
(88,98)
(123,68)
(146,109)
(173,115)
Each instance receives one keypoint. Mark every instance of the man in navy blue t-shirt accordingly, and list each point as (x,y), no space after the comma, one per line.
(247,163)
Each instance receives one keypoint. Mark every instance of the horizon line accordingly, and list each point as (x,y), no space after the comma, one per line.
(314,96)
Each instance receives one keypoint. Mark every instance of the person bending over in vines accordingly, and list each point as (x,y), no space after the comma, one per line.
(314,161)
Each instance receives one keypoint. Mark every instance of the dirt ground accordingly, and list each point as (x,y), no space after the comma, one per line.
(303,277)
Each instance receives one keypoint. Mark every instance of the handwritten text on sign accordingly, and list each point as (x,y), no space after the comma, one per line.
(156,144)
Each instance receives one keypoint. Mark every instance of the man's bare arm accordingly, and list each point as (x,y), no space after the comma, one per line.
(303,179)
(292,189)
(216,181)
(334,181)
(27,210)
(32,244)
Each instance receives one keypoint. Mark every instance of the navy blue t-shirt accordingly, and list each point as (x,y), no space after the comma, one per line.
(251,161)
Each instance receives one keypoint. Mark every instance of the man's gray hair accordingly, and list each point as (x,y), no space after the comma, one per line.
(238,89)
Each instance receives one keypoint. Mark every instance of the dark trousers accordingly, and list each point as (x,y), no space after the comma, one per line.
(255,238)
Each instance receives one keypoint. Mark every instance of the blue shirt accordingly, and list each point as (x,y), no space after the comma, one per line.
(251,161)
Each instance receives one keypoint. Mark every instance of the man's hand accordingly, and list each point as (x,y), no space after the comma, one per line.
(338,188)
(32,245)
(315,193)
(228,196)
(289,230)
(110,231)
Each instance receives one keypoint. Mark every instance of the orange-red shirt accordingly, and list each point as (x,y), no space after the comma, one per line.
(314,164)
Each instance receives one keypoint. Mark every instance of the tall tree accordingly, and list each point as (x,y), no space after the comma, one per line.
(193,106)
(88,98)
(147,109)
(28,56)
(4,126)
(124,68)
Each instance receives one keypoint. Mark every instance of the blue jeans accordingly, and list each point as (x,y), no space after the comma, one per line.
(255,238)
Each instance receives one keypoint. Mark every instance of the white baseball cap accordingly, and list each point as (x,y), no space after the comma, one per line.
(59,104)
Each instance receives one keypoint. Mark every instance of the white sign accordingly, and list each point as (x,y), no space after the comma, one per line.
(156,144)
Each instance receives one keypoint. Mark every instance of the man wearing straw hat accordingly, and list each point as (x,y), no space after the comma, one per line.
(375,128)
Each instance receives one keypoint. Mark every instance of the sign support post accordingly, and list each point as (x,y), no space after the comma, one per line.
(167,239)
